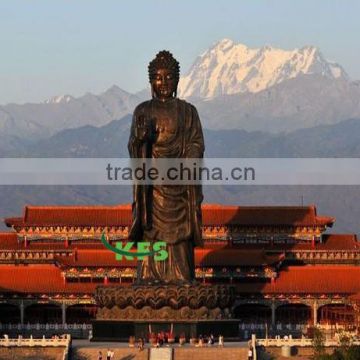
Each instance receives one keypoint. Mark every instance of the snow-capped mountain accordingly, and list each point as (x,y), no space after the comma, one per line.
(59,99)
(228,68)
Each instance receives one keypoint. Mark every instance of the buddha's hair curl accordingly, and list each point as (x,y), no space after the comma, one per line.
(164,60)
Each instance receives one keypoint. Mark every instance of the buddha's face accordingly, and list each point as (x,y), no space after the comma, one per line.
(164,84)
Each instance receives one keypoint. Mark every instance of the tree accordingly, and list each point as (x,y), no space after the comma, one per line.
(345,343)
(353,353)
(319,344)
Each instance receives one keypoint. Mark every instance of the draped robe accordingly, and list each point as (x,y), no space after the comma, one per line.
(170,213)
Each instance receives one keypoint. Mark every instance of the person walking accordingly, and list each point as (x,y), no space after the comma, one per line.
(221,341)
(100,356)
(201,341)
(250,354)
(141,344)
(108,355)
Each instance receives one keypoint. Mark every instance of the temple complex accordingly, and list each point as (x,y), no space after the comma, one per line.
(288,271)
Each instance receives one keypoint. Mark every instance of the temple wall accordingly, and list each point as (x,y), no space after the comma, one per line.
(34,353)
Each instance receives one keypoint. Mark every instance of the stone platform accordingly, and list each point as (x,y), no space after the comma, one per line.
(121,330)
(229,352)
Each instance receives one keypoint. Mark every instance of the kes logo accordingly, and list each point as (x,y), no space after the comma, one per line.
(143,249)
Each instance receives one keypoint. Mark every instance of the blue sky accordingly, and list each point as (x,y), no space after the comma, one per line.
(51,47)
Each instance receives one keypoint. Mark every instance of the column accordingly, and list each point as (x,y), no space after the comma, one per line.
(315,309)
(273,309)
(22,311)
(63,312)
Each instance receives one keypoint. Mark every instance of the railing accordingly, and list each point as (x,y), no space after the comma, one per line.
(292,327)
(30,342)
(45,326)
(279,326)
(325,255)
(303,342)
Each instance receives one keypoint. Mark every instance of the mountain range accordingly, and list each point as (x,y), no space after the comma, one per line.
(110,140)
(233,87)
(34,121)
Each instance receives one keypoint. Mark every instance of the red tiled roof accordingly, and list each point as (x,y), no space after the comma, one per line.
(310,279)
(339,242)
(234,257)
(318,279)
(8,240)
(45,279)
(75,215)
(212,215)
(263,215)
(14,221)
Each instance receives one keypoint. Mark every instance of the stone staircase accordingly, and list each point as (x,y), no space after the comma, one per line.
(161,354)
(213,353)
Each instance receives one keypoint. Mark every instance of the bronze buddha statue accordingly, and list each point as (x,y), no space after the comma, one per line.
(166,127)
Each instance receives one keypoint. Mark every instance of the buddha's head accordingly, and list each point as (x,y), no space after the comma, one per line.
(164,73)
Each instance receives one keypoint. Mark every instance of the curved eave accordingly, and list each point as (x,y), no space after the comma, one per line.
(14,222)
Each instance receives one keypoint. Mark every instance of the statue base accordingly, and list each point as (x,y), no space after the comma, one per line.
(165,302)
(138,310)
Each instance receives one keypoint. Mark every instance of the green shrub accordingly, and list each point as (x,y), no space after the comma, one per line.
(353,353)
(319,344)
